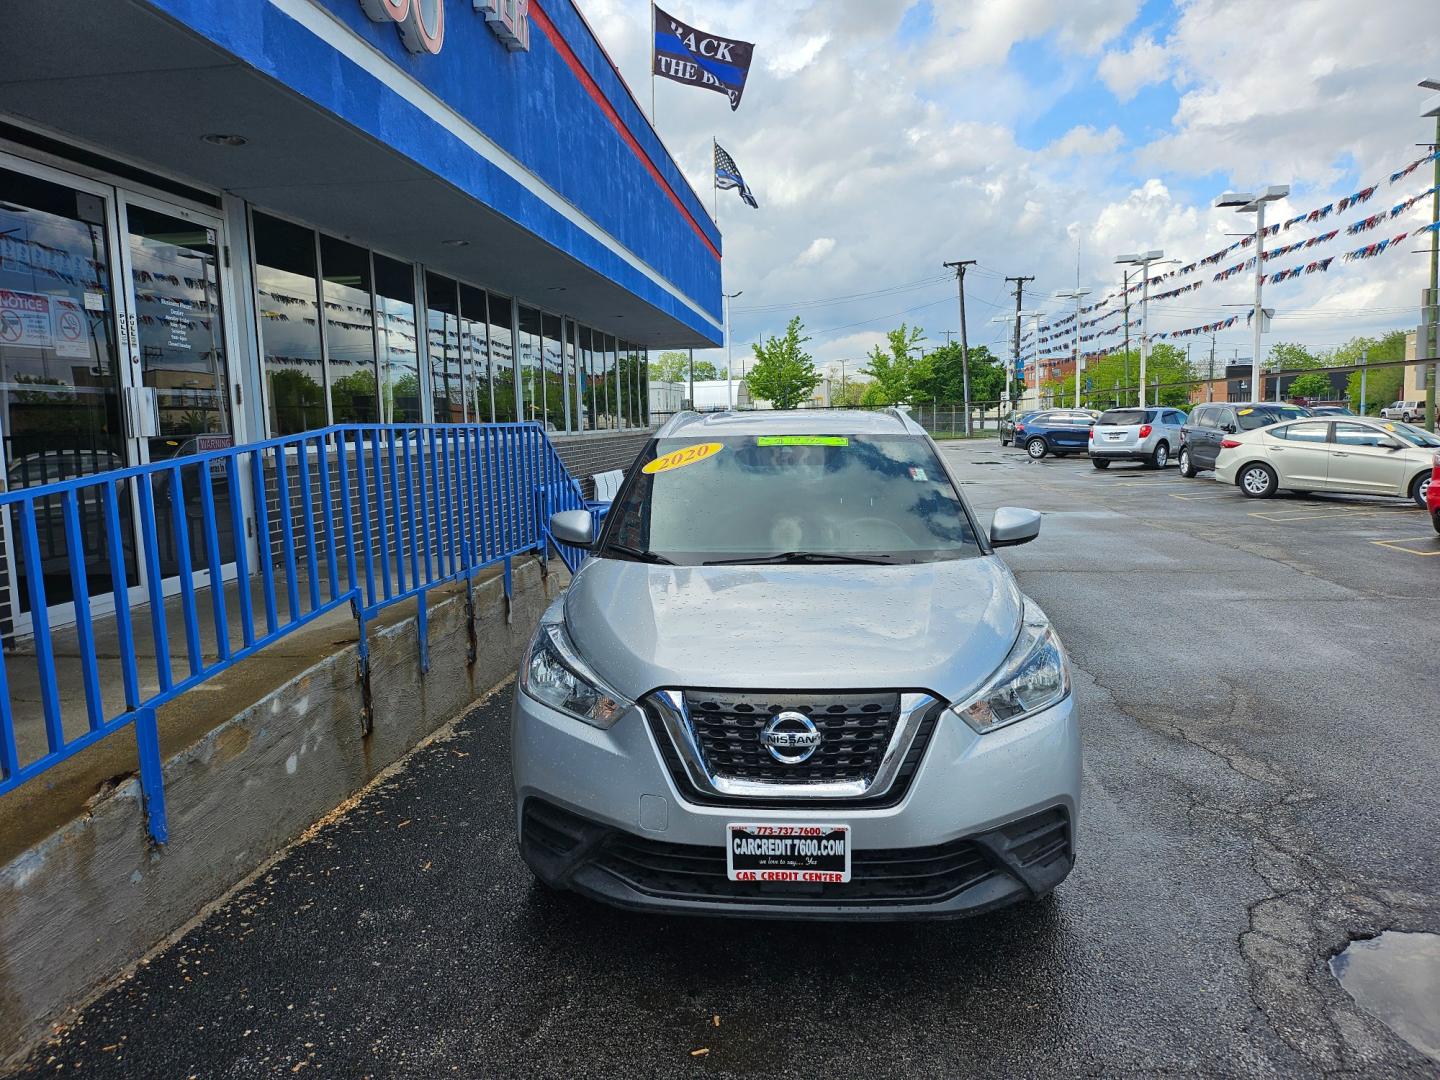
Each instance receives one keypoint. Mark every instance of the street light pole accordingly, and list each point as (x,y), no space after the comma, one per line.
(1247,202)
(1143,261)
(730,352)
(1077,295)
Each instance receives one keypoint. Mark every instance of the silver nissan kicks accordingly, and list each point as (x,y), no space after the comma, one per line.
(795,681)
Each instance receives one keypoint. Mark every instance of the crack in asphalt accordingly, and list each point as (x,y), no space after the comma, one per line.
(1311,912)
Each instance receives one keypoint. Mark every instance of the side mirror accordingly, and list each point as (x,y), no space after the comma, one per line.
(1011,526)
(1229,429)
(575,527)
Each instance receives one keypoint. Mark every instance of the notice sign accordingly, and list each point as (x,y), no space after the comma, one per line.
(25,320)
(68,329)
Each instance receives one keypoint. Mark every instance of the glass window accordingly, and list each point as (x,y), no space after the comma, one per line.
(554,374)
(612,387)
(1306,433)
(502,358)
(399,352)
(529,350)
(574,377)
(1208,418)
(176,270)
(475,356)
(619,392)
(882,497)
(1258,417)
(1127,417)
(1415,436)
(1355,434)
(59,388)
(1225,419)
(442,298)
(287,296)
(349,332)
(589,342)
(645,388)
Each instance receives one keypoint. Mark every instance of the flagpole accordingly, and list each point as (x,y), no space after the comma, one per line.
(714,181)
(652,67)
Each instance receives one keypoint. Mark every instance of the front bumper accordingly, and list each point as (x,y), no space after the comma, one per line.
(986,821)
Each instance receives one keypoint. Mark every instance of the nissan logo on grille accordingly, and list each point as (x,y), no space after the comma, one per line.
(791,738)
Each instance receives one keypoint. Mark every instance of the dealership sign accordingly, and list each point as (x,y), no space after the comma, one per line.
(422,22)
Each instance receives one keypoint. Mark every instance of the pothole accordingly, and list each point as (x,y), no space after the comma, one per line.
(1396,978)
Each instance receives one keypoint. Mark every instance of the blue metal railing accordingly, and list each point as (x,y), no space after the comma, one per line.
(359,515)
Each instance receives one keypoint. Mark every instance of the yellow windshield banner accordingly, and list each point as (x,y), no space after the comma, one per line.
(802,440)
(686,455)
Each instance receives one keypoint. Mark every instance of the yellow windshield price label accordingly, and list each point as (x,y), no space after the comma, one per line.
(802,440)
(686,455)
(1246,412)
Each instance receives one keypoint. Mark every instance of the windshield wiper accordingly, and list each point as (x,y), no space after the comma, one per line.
(803,557)
(636,554)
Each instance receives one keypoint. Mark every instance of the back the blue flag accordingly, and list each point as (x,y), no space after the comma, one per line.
(686,55)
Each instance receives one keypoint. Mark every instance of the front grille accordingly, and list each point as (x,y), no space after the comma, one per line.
(855,730)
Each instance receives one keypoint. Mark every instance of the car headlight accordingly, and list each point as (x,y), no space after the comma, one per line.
(555,675)
(1034,676)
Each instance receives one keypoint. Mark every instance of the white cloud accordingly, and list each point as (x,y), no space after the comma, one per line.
(1126,72)
(1084,139)
(875,160)
(817,251)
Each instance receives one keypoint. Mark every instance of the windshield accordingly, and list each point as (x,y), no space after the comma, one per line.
(1128,417)
(822,498)
(1256,417)
(1413,435)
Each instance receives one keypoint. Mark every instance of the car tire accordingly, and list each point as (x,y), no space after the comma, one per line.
(1187,469)
(1099,463)
(1419,488)
(1435,520)
(1257,480)
(1160,456)
(1037,449)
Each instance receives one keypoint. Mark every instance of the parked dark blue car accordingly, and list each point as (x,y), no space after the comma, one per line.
(1056,431)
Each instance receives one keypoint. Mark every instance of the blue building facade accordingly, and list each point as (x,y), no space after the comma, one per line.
(227,220)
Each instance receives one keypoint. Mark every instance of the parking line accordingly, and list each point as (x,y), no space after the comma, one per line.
(1193,498)
(1394,545)
(1283,517)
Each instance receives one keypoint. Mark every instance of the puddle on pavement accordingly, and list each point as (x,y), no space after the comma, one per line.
(1396,977)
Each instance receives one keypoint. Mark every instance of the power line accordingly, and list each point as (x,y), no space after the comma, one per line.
(828,300)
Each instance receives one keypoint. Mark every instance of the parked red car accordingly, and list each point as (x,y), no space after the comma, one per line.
(1432,497)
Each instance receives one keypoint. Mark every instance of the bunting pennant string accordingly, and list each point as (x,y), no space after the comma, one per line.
(1432,227)
(1371,250)
(1320,266)
(1208,328)
(1395,177)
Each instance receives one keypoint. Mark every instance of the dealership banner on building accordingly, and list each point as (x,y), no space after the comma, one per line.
(686,55)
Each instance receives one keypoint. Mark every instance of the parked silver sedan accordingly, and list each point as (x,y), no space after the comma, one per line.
(1149,435)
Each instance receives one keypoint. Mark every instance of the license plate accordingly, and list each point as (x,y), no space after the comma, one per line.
(1114,436)
(810,854)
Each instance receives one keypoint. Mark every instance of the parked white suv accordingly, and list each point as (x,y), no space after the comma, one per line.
(1408,411)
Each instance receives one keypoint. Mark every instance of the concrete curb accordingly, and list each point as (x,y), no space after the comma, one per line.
(95,896)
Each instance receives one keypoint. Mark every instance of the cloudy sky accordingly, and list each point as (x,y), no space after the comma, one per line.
(885,137)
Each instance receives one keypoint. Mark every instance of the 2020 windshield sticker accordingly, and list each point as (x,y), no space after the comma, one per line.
(686,455)
(802,440)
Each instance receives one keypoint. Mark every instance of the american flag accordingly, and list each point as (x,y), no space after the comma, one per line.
(727,176)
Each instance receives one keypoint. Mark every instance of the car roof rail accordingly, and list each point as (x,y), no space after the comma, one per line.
(676,422)
(908,422)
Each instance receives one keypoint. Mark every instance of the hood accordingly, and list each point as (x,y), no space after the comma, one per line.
(942,626)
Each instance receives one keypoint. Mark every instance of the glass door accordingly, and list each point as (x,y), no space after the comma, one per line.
(178,365)
(61,376)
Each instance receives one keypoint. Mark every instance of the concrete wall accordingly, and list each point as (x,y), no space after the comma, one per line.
(95,896)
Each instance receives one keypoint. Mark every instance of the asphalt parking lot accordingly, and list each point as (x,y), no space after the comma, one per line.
(1258,682)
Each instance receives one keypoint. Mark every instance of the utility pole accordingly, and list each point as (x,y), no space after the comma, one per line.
(1019,304)
(1431,321)
(960,268)
(1364,370)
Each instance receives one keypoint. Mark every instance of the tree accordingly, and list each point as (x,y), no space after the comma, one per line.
(1382,385)
(1167,363)
(848,394)
(893,371)
(784,373)
(1310,386)
(1288,357)
(674,367)
(670,367)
